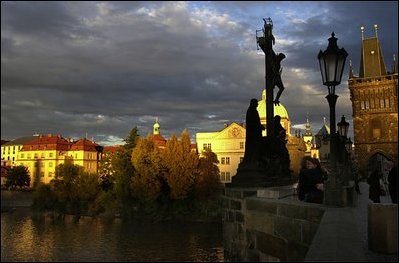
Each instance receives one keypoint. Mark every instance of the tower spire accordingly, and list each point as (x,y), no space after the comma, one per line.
(376,29)
(395,64)
(362,31)
(308,130)
(350,69)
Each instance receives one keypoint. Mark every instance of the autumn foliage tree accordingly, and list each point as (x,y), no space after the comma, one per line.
(146,159)
(181,166)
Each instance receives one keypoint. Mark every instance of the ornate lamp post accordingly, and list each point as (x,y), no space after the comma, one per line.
(343,127)
(332,62)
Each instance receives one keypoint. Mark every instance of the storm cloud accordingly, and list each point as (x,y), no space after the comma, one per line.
(101,68)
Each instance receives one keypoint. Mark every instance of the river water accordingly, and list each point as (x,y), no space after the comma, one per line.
(24,239)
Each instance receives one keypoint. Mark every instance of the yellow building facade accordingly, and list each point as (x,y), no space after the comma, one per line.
(44,153)
(10,150)
(229,146)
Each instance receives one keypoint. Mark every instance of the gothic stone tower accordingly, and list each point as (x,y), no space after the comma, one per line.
(374,96)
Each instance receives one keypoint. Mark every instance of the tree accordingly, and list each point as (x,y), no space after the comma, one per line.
(181,164)
(106,171)
(123,168)
(74,187)
(131,140)
(146,159)
(18,176)
(208,181)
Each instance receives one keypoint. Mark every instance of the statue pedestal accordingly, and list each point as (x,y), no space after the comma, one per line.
(255,176)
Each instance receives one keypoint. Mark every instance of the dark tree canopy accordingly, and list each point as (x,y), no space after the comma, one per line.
(18,176)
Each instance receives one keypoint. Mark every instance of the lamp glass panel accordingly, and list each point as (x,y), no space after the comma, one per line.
(331,62)
(322,68)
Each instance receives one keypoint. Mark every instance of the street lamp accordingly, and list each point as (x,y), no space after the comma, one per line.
(332,62)
(343,126)
(348,145)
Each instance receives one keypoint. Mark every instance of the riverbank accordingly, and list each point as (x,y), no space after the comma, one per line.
(21,201)
(12,200)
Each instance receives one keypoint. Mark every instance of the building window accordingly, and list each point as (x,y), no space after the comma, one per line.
(367,105)
(50,164)
(22,155)
(50,155)
(50,174)
(222,176)
(43,155)
(76,156)
(241,145)
(28,156)
(204,146)
(387,103)
(382,103)
(362,105)
(223,160)
(228,178)
(36,155)
(227,160)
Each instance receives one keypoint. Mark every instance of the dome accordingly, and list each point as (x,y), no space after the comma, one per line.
(278,109)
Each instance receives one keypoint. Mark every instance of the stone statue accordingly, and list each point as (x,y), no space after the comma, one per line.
(253,134)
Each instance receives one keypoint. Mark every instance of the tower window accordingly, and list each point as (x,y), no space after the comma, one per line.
(387,103)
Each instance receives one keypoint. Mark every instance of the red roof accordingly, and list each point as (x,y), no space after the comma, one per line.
(85,145)
(112,149)
(47,142)
(159,140)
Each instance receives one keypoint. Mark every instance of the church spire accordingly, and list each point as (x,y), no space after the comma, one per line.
(308,130)
(156,127)
(376,29)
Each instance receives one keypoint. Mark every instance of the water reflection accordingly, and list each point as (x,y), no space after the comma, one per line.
(24,239)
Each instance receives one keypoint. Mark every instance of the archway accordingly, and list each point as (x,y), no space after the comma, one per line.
(379,161)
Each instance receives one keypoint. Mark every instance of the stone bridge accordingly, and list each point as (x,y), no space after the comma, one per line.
(268,224)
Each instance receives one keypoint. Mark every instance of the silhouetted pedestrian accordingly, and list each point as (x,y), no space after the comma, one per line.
(393,183)
(375,187)
(310,185)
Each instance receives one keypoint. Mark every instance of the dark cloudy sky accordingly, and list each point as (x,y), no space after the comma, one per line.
(101,68)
